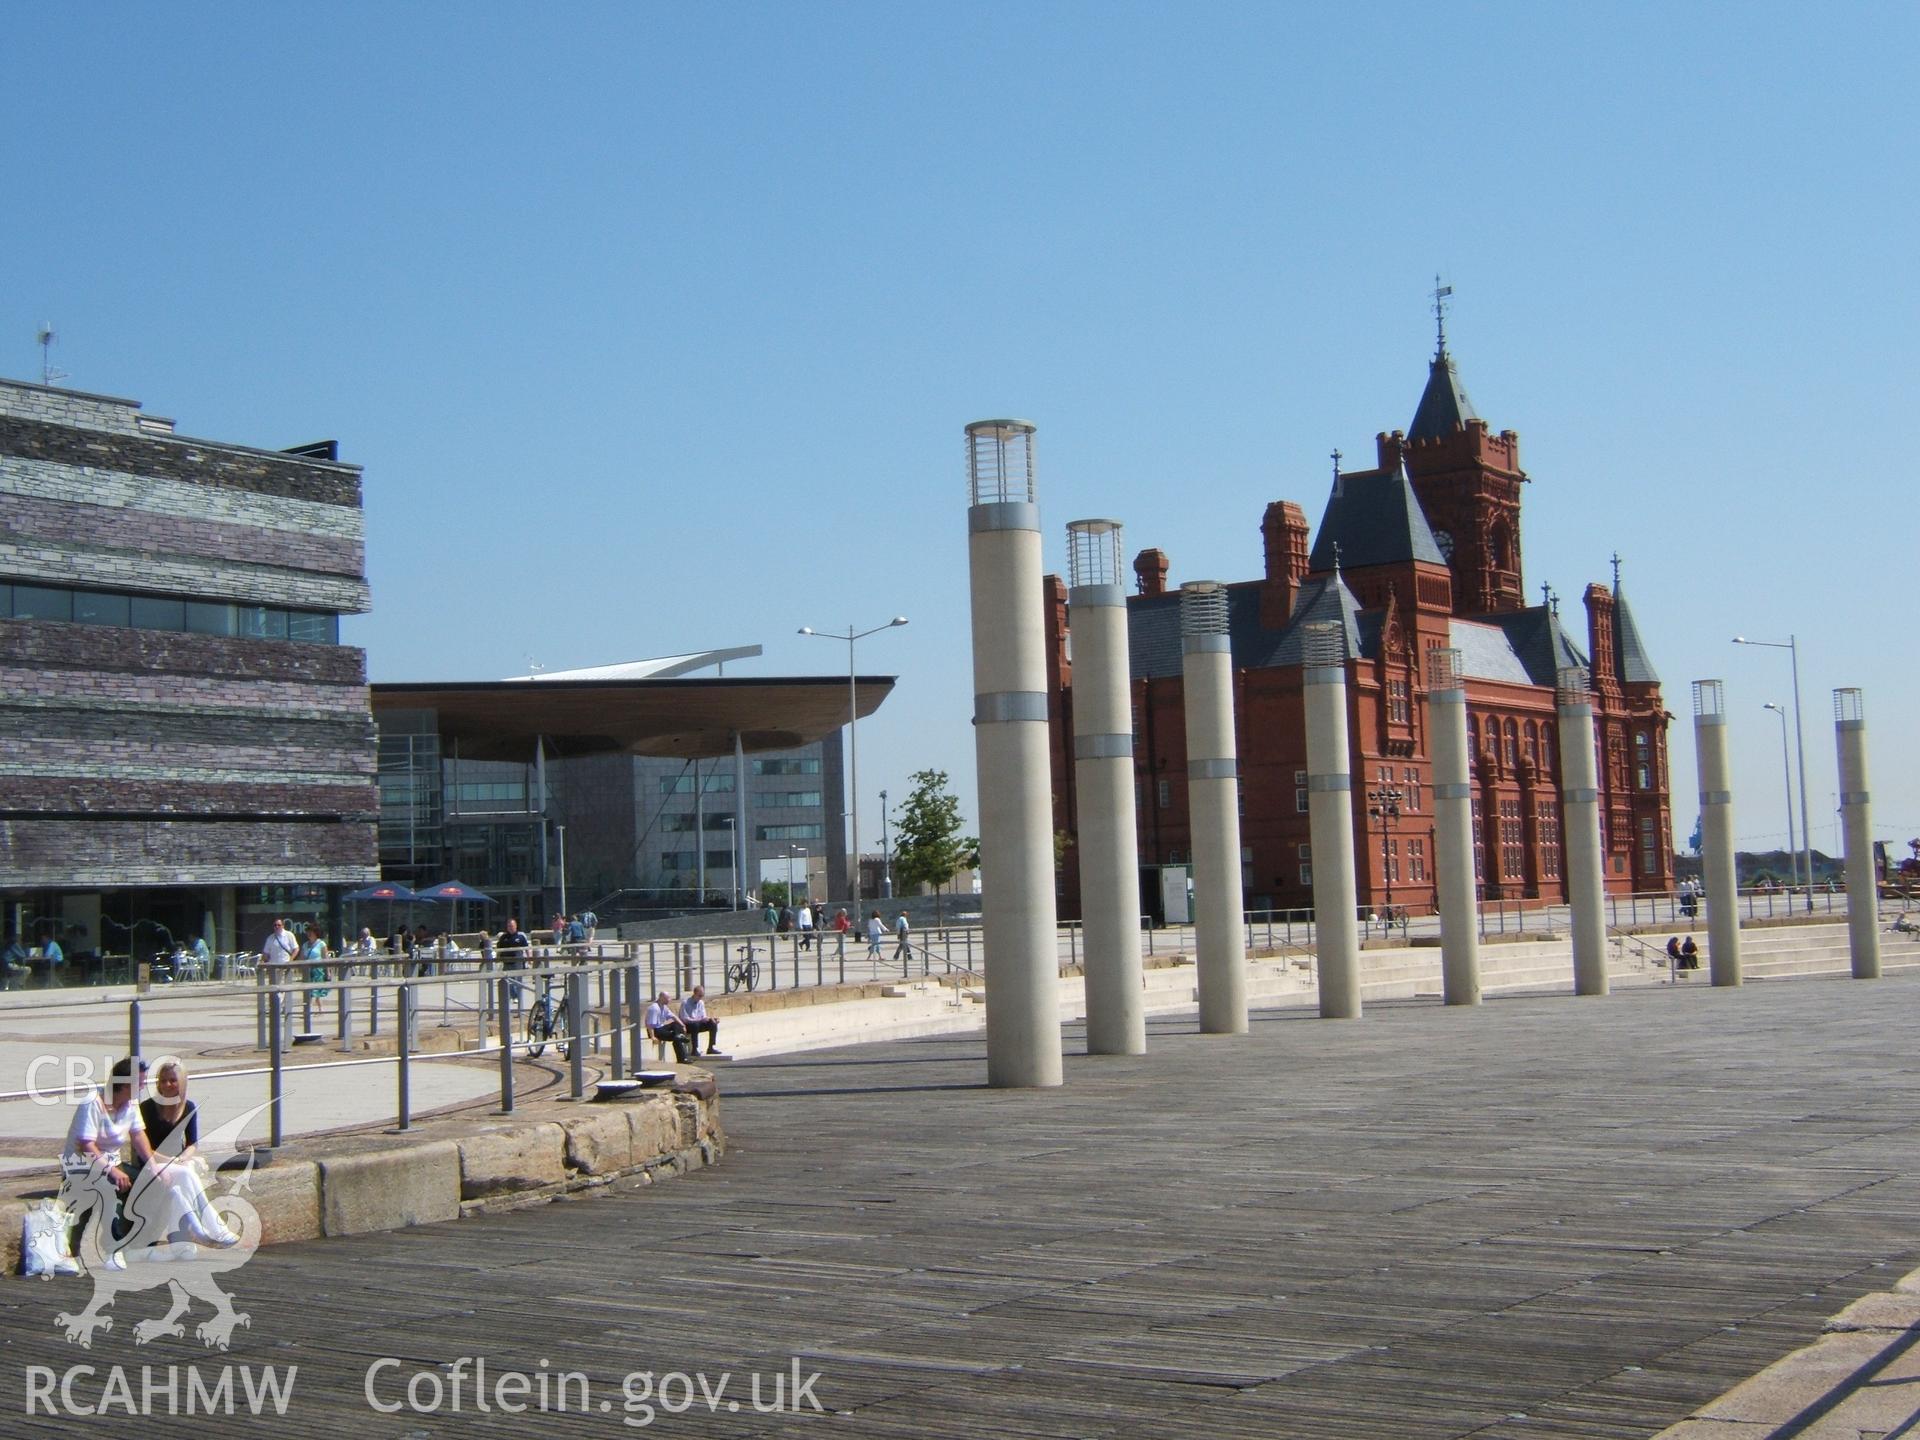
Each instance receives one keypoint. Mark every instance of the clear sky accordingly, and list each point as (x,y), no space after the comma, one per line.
(656,328)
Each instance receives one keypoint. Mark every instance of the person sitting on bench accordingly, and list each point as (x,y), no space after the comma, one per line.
(1675,960)
(662,1024)
(693,1015)
(1689,955)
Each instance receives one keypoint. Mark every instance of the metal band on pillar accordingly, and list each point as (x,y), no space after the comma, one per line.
(1453,829)
(1716,831)
(1213,806)
(1107,842)
(1010,746)
(1580,825)
(1856,826)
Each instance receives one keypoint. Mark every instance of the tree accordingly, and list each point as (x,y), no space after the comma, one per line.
(929,848)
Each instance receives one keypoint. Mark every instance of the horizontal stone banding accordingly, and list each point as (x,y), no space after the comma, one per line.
(1582,796)
(1103,747)
(1453,790)
(1329,784)
(1213,769)
(56,646)
(1003,706)
(1003,515)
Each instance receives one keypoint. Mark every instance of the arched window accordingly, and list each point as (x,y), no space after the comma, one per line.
(1501,543)
(1510,750)
(1473,743)
(1533,744)
(1642,760)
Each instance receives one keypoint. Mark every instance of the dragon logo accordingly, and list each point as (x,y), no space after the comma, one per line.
(167,1232)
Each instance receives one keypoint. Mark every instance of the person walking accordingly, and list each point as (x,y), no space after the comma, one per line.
(805,919)
(876,932)
(901,951)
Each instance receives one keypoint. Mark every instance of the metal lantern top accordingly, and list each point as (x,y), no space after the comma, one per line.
(1444,668)
(1709,698)
(1571,685)
(1850,704)
(1323,643)
(1203,608)
(1000,462)
(1093,553)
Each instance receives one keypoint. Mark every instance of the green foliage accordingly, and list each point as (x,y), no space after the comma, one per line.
(929,848)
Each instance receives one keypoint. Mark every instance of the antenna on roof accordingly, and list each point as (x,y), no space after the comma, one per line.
(48,374)
(1440,294)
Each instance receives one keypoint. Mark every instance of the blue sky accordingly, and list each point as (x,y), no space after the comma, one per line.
(657,328)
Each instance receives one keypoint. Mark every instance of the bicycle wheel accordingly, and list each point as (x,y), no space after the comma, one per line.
(753,973)
(539,1027)
(558,1029)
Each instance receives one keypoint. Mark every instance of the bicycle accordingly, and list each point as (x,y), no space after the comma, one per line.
(547,1021)
(743,974)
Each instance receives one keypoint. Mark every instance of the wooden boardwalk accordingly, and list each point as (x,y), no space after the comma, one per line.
(1546,1217)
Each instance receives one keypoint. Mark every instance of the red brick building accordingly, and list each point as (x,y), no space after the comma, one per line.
(1419,553)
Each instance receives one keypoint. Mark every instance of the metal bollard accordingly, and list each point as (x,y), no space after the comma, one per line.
(306,1010)
(346,1012)
(506,1045)
(843,957)
(405,1065)
(576,1032)
(615,1033)
(275,1090)
(260,1007)
(133,1027)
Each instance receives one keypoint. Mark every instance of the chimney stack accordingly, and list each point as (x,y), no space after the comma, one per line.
(1284,530)
(1150,569)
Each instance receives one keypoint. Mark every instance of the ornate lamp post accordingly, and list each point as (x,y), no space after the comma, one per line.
(1384,805)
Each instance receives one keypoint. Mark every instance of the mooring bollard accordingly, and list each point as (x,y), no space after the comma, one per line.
(133,1027)
(576,1031)
(405,1065)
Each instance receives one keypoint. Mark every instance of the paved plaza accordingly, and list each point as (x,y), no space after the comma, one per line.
(1547,1216)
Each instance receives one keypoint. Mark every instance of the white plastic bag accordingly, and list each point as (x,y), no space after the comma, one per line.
(44,1246)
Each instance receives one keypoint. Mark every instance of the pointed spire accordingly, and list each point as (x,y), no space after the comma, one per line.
(1630,657)
(1444,406)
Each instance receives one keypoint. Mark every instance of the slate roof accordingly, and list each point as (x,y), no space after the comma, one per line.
(1153,627)
(1373,517)
(1629,651)
(1443,404)
(1538,642)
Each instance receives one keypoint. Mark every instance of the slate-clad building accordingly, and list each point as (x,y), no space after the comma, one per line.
(187,744)
(1420,552)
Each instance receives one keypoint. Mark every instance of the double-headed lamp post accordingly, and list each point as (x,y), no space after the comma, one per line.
(1792,646)
(853,734)
(1786,770)
(1384,805)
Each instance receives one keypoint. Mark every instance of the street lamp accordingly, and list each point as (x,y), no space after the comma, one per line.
(1792,647)
(793,889)
(886,855)
(561,831)
(1385,807)
(853,733)
(1786,769)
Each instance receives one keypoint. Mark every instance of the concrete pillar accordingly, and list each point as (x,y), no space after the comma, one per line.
(1453,829)
(1103,781)
(1580,828)
(1856,821)
(1010,745)
(1330,823)
(1213,805)
(1716,831)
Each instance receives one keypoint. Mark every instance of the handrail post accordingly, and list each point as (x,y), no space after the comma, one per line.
(616,1034)
(576,1028)
(637,1019)
(277,1130)
(506,984)
(345,1007)
(260,1007)
(405,1073)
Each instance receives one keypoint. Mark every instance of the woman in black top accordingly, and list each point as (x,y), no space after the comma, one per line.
(172,1123)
